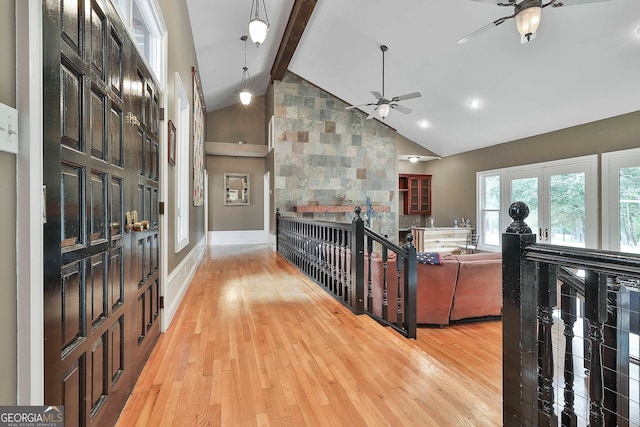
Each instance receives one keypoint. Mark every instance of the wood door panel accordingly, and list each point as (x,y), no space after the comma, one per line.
(71,98)
(94,170)
(98,41)
(97,297)
(73,324)
(73,393)
(99,365)
(72,22)
(97,118)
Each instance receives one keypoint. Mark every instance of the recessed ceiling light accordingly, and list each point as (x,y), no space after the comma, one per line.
(424,124)
(474,103)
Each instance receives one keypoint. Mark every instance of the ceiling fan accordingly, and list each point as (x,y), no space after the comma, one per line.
(527,15)
(383,105)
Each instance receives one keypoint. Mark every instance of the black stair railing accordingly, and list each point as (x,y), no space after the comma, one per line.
(338,257)
(598,283)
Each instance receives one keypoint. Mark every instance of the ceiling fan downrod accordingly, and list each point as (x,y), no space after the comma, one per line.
(383,48)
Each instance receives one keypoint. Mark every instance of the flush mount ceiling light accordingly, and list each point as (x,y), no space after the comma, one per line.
(258,28)
(424,124)
(245,93)
(474,103)
(414,159)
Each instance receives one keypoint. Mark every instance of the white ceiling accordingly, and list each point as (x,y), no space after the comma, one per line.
(584,64)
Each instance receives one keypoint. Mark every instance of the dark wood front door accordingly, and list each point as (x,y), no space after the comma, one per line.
(100,169)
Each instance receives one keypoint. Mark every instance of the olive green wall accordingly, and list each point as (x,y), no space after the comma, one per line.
(8,307)
(236,218)
(233,124)
(454,177)
(181,57)
(238,123)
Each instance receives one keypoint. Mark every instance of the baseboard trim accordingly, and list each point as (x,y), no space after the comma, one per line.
(180,279)
(239,237)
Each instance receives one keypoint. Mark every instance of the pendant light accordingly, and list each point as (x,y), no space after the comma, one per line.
(258,28)
(245,93)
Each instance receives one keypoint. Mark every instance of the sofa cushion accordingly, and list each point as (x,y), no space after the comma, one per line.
(479,287)
(480,256)
(435,287)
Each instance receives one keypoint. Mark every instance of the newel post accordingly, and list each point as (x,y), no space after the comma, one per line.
(278,230)
(410,290)
(357,263)
(519,325)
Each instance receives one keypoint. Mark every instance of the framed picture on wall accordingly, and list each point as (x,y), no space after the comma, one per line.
(172,144)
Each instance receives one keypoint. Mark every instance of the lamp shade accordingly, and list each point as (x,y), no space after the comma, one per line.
(245,97)
(383,110)
(258,30)
(528,21)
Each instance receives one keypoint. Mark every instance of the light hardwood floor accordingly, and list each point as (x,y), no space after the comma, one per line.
(256,343)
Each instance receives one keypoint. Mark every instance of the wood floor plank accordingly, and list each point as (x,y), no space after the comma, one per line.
(255,343)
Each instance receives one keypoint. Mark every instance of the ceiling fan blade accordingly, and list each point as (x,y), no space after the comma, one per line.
(361,105)
(562,3)
(401,108)
(485,28)
(407,96)
(498,2)
(378,95)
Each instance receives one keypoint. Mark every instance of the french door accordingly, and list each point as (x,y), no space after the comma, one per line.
(100,171)
(621,201)
(562,197)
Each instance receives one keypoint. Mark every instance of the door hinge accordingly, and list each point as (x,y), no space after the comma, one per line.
(161,208)
(161,302)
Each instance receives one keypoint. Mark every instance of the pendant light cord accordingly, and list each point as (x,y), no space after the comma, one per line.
(257,15)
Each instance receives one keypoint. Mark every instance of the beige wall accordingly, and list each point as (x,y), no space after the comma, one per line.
(8,314)
(238,123)
(233,124)
(235,218)
(181,58)
(454,178)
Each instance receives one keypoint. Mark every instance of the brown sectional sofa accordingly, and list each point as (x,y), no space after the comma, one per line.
(462,287)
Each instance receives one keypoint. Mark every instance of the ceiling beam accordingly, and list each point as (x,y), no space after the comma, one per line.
(298,20)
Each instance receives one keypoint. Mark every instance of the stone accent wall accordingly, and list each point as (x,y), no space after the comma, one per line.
(323,153)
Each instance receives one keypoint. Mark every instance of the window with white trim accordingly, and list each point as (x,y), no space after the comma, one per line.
(182,124)
(561,195)
(488,225)
(144,21)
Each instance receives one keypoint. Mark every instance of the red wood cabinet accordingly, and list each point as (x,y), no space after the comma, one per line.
(417,194)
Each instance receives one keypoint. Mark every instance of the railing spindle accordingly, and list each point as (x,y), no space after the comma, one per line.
(568,305)
(385,284)
(596,315)
(547,298)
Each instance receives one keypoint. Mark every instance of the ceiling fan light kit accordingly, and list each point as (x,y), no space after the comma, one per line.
(384,105)
(258,27)
(528,20)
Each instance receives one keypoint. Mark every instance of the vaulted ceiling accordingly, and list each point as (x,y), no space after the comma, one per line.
(583,65)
